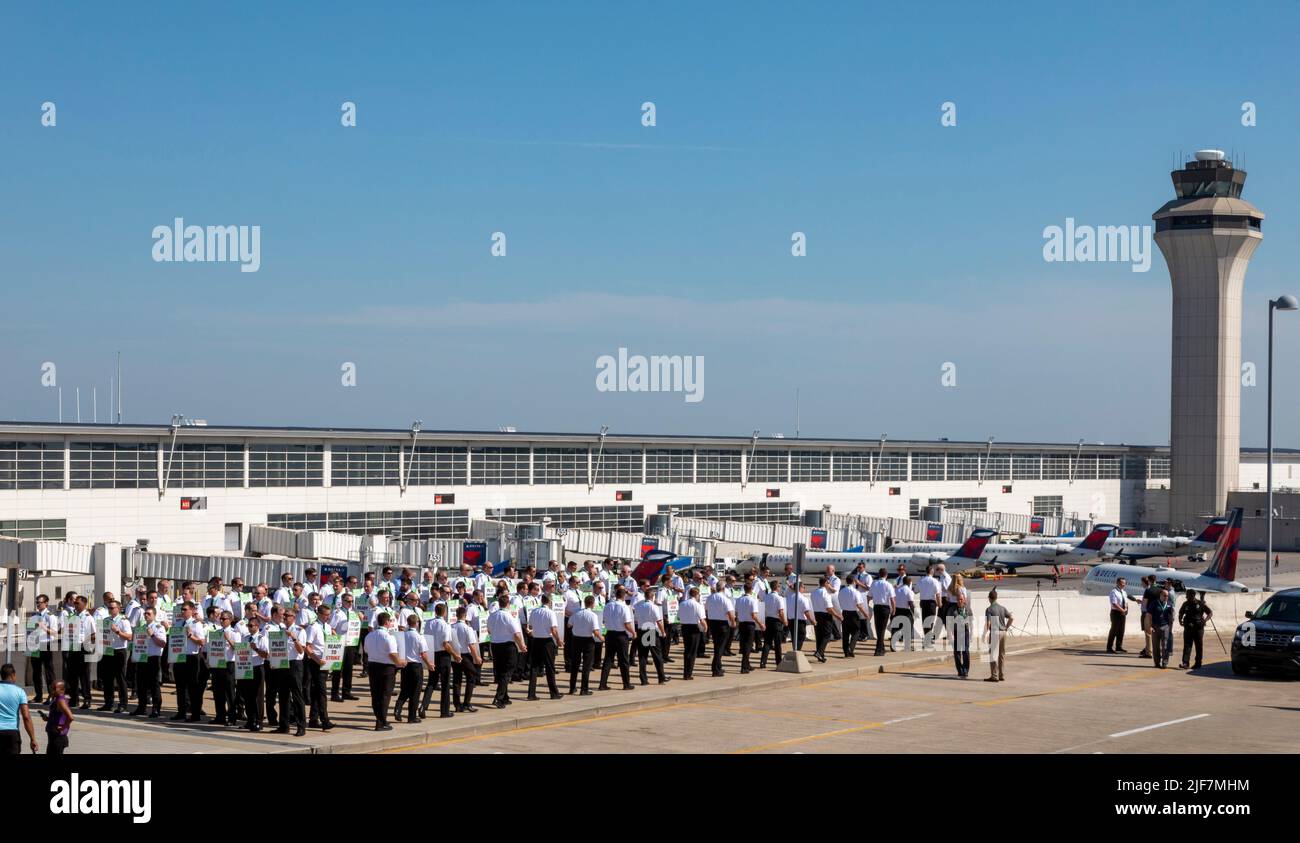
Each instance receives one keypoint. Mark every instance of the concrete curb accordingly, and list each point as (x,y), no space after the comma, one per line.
(391,741)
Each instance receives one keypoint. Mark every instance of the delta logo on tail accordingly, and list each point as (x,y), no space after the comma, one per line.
(1096,540)
(1224,565)
(974,546)
(1212,532)
(652,565)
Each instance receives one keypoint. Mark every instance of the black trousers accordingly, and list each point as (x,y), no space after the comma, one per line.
(881,615)
(616,650)
(382,679)
(292,706)
(189,700)
(148,692)
(850,632)
(647,646)
(691,636)
(412,678)
(568,647)
(719,633)
(274,679)
(222,693)
(1115,640)
(665,641)
(343,676)
(580,657)
(541,659)
(466,670)
(251,692)
(11,742)
(746,633)
(904,626)
(440,680)
(1193,635)
(772,636)
(316,678)
(114,677)
(76,674)
(798,632)
(54,744)
(505,658)
(929,623)
(821,631)
(41,669)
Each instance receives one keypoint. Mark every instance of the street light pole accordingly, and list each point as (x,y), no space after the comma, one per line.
(1279,303)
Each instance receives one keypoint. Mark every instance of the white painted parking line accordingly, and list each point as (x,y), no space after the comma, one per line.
(1158,725)
(905,719)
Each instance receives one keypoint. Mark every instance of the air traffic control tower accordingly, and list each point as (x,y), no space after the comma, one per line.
(1207,235)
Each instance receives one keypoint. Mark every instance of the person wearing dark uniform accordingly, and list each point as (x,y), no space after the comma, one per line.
(382,664)
(439,634)
(650,631)
(465,640)
(1118,617)
(750,626)
(544,629)
(585,627)
(693,628)
(619,629)
(1192,615)
(507,646)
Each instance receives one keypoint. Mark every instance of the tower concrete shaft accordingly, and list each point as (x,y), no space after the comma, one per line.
(1207,236)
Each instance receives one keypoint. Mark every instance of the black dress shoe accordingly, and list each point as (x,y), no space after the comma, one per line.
(219,721)
(177,717)
(121,709)
(326,726)
(587,693)
(336,698)
(282,730)
(471,708)
(448,714)
(351,697)
(105,707)
(665,680)
(301,731)
(155,715)
(198,718)
(602,687)
(384,727)
(531,698)
(629,688)
(137,712)
(557,696)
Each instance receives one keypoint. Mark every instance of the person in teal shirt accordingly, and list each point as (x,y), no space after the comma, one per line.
(13,706)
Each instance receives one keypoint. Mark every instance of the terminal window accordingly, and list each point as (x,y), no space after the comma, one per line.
(272,466)
(625,519)
(1158,468)
(963,466)
(717,466)
(852,466)
(1056,467)
(31,465)
(54,529)
(1048,505)
(364,465)
(553,466)
(620,465)
(437,465)
(996,466)
(969,504)
(763,512)
(766,466)
(927,466)
(1026,467)
(491,466)
(891,465)
(669,465)
(1085,467)
(113,465)
(810,466)
(1109,467)
(196,465)
(409,524)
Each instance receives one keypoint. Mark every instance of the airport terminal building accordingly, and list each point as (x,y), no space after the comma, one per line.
(198,489)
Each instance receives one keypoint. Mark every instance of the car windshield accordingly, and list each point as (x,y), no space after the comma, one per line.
(1280,609)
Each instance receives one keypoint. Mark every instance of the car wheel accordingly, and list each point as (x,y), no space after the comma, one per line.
(1240,668)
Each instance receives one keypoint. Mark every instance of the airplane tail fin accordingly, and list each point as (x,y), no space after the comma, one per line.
(973,547)
(1212,531)
(1097,538)
(1224,565)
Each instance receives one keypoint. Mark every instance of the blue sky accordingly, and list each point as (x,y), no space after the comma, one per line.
(924,242)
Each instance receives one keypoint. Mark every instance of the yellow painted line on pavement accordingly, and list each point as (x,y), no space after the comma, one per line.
(522,730)
(797,715)
(820,735)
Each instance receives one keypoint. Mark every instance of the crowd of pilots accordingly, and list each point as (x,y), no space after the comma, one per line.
(276,657)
